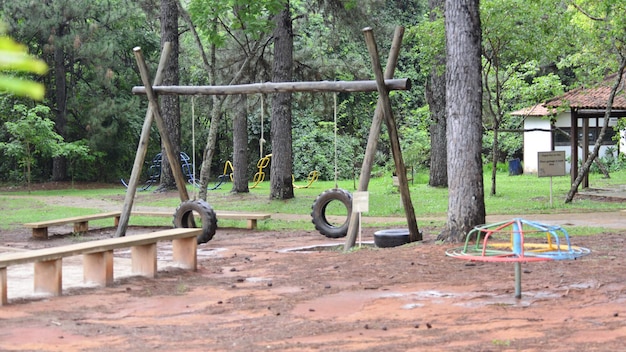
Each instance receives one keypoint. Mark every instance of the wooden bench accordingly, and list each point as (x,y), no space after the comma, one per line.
(81,223)
(251,218)
(98,259)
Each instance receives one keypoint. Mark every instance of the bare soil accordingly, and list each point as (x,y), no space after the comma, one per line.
(251,293)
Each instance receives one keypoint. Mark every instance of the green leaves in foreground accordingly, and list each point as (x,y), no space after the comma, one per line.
(15,57)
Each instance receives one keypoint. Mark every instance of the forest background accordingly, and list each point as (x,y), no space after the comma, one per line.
(87,126)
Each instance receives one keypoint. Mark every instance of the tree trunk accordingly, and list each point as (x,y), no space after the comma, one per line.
(584,169)
(436,98)
(281,185)
(170,105)
(240,145)
(59,164)
(466,202)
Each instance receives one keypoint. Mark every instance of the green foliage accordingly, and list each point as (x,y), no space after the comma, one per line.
(601,28)
(216,18)
(92,41)
(315,150)
(415,140)
(14,57)
(32,135)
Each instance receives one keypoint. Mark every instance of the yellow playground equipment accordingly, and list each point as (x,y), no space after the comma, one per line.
(260,175)
(310,179)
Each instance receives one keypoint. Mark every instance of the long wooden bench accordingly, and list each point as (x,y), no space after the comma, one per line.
(98,259)
(251,218)
(81,223)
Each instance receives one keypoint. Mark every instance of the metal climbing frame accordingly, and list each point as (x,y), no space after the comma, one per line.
(154,171)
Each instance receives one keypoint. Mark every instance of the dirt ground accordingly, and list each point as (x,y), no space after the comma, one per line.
(253,292)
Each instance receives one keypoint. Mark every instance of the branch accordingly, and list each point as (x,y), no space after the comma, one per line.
(587,13)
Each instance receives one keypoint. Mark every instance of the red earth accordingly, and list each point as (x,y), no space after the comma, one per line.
(253,292)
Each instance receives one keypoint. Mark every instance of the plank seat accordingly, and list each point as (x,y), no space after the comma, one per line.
(98,258)
(81,223)
(251,218)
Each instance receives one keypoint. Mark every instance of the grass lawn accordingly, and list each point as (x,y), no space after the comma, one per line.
(516,195)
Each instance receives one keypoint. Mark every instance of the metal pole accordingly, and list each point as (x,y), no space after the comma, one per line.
(518,280)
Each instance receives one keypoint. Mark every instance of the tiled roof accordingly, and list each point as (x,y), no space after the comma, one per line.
(536,110)
(591,98)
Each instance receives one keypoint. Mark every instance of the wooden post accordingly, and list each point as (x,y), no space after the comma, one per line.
(3,287)
(142,148)
(49,277)
(98,268)
(279,87)
(144,259)
(165,139)
(573,137)
(372,141)
(405,194)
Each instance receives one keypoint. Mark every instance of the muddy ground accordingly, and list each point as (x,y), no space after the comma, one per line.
(252,293)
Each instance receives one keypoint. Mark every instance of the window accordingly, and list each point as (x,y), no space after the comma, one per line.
(562,136)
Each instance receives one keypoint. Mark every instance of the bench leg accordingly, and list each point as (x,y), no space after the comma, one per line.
(81,226)
(144,259)
(49,277)
(3,287)
(185,252)
(41,234)
(98,268)
(251,224)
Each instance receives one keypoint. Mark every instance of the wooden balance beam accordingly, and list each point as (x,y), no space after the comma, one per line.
(81,223)
(98,258)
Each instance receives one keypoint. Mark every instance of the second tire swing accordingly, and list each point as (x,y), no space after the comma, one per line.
(320,205)
(318,212)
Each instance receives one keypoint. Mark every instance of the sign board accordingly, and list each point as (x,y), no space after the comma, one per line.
(551,164)
(360,201)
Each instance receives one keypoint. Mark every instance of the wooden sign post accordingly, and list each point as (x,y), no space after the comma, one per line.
(551,164)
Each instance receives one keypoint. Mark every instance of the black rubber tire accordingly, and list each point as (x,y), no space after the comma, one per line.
(184,218)
(391,238)
(318,213)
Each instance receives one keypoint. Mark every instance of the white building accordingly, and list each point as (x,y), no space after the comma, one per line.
(545,131)
(549,126)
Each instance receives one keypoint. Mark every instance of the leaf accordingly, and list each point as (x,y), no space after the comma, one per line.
(22,87)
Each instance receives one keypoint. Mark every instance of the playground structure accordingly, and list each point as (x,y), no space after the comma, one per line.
(517,241)
(310,179)
(226,175)
(154,171)
(259,176)
(383,110)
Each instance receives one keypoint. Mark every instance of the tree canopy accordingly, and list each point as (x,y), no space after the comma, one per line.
(530,51)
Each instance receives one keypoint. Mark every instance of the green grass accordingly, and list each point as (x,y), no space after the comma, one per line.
(516,195)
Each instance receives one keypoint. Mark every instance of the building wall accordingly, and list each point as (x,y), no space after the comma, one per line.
(534,142)
(539,141)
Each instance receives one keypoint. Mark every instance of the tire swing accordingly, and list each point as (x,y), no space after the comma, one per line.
(318,213)
(184,218)
(184,214)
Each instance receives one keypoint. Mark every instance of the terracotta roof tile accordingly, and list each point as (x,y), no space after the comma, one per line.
(591,98)
(536,110)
